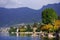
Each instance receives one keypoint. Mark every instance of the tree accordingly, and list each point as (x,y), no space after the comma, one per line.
(49,16)
(58,17)
(38,29)
(35,25)
(29,29)
(12,29)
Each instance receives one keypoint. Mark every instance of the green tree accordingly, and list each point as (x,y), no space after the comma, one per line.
(12,29)
(29,29)
(58,17)
(49,16)
(35,25)
(38,29)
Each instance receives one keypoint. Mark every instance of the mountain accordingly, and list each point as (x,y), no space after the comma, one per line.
(19,15)
(56,7)
(24,14)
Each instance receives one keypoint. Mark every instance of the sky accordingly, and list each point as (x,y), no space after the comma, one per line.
(34,4)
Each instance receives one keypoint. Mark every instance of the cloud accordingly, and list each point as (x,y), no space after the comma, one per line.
(34,4)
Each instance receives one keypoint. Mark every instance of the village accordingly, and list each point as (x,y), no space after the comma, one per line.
(33,30)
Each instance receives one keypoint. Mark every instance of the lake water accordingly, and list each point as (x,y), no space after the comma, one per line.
(4,36)
(18,38)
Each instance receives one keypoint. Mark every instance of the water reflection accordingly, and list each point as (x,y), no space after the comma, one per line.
(13,36)
(4,36)
(46,38)
(17,38)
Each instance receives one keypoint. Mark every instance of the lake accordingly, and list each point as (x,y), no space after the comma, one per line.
(5,36)
(18,38)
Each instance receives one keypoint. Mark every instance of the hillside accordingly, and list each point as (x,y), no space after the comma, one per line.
(23,15)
